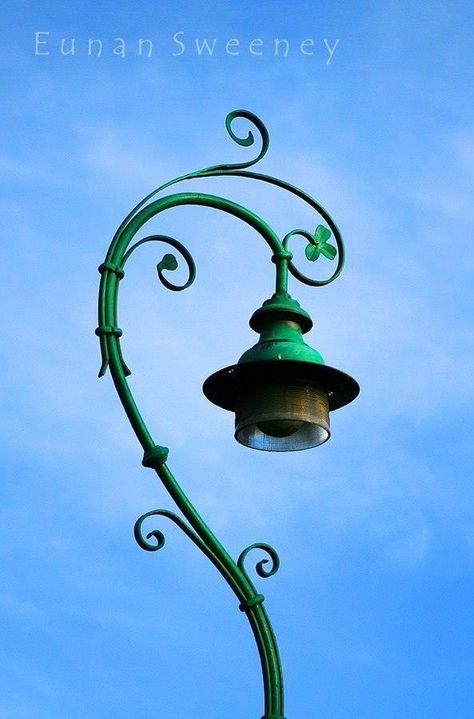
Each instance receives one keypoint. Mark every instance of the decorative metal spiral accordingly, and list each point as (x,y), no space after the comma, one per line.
(168,261)
(317,246)
(260,566)
(243,142)
(241,170)
(247,600)
(157,534)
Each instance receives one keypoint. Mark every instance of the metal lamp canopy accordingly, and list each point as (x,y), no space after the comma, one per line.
(280,390)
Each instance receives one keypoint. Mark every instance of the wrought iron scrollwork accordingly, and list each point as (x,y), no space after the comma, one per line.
(260,566)
(157,534)
(155,456)
(243,141)
(168,261)
(317,245)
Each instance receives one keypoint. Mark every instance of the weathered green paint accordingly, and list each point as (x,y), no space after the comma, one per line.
(155,456)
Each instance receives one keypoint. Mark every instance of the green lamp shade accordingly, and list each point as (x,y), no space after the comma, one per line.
(280,406)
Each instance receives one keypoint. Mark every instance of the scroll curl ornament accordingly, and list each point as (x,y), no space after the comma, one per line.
(317,246)
(168,261)
(240,169)
(243,141)
(157,534)
(260,566)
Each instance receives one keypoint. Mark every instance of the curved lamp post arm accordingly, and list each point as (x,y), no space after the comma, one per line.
(155,456)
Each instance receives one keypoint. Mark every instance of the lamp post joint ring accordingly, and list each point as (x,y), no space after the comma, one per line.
(251,602)
(112,267)
(155,456)
(108,330)
(283,255)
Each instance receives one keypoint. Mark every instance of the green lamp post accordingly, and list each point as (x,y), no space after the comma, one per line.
(280,390)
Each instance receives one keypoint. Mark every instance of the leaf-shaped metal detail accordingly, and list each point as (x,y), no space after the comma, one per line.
(319,245)
(329,251)
(169,262)
(312,252)
(322,235)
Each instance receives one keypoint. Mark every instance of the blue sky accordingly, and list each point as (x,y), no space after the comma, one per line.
(372,605)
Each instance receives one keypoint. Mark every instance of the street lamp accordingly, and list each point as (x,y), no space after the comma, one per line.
(280,390)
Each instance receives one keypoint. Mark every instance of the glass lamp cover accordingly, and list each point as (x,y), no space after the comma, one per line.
(282,418)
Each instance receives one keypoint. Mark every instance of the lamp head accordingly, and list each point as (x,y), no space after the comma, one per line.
(280,390)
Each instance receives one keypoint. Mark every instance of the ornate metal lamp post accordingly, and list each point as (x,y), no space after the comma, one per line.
(280,390)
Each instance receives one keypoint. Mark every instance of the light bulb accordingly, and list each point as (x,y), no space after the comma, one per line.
(280,427)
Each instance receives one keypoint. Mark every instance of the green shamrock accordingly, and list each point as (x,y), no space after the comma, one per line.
(319,246)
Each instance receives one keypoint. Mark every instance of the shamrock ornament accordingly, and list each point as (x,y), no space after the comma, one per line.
(318,245)
(168,262)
